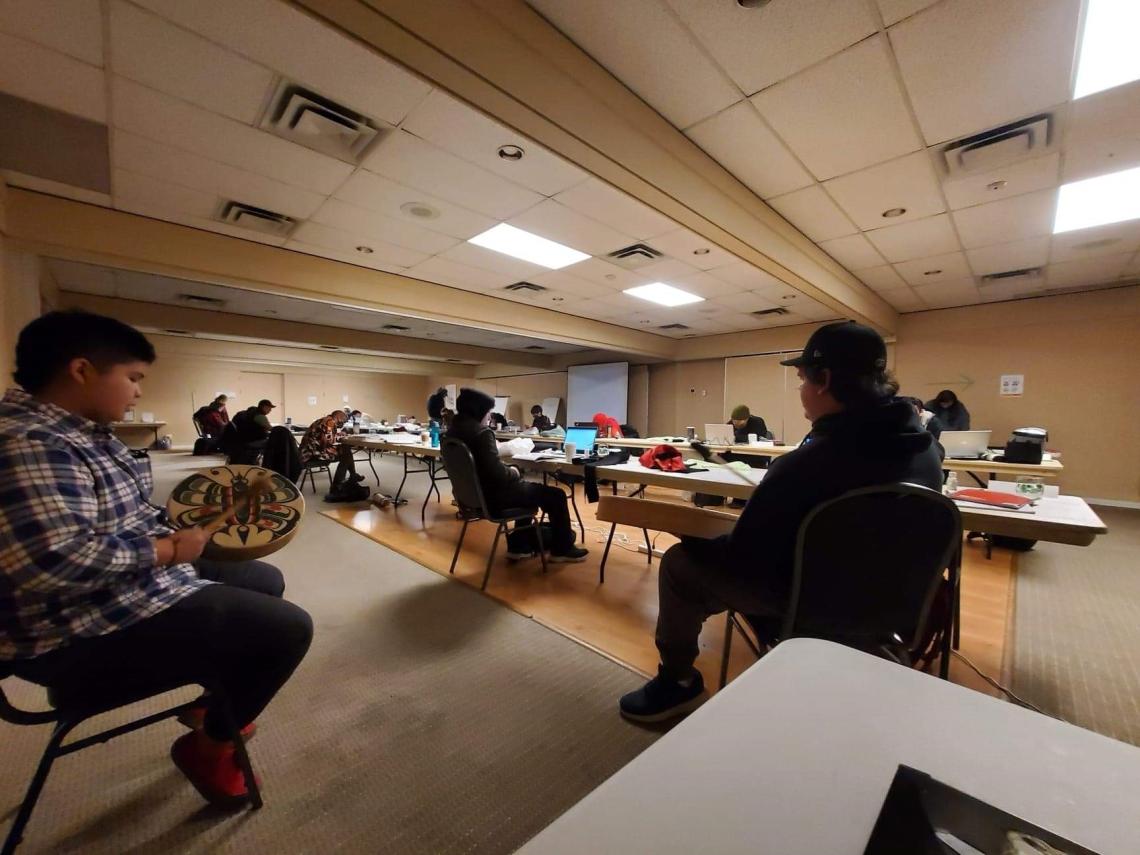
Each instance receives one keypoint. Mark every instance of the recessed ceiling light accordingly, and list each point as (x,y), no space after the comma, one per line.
(529,247)
(894,212)
(704,250)
(1108,54)
(367,250)
(419,209)
(610,276)
(1098,201)
(931,272)
(665,295)
(557,299)
(511,152)
(645,322)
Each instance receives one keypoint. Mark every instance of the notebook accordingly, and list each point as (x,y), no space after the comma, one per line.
(993,498)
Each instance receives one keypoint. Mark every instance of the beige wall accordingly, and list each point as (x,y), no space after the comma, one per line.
(685,393)
(19,301)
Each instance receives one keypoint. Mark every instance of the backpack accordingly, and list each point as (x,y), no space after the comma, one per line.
(348,493)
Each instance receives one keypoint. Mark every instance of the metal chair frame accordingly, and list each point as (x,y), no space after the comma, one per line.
(307,470)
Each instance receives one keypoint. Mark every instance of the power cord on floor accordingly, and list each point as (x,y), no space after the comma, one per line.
(1009,693)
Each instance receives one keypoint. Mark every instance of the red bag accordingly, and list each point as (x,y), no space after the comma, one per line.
(663,457)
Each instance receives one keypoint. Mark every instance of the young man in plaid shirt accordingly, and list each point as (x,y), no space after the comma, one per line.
(97,590)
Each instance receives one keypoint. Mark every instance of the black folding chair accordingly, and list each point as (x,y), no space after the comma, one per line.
(468,494)
(68,713)
(868,568)
(307,470)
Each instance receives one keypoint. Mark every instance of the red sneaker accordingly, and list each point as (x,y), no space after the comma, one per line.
(212,768)
(195,719)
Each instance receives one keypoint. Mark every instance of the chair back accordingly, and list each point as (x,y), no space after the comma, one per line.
(460,465)
(868,565)
(198,425)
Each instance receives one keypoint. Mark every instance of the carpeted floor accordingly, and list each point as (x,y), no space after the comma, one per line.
(1077,629)
(426,718)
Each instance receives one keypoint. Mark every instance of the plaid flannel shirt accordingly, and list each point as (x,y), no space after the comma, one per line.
(77,555)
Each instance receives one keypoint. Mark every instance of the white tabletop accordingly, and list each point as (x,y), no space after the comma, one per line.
(796,755)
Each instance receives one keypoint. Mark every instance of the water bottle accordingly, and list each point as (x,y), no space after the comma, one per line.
(434,428)
(951,485)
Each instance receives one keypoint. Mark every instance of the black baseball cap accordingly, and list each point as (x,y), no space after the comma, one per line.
(266,402)
(846,345)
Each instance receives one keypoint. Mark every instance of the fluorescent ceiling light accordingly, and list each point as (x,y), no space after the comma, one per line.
(666,295)
(1108,47)
(1098,201)
(519,244)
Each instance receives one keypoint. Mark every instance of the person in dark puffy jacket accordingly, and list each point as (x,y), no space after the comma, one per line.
(951,412)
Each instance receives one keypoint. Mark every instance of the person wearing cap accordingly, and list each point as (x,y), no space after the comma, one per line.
(951,412)
(321,445)
(744,423)
(538,419)
(861,436)
(252,425)
(503,486)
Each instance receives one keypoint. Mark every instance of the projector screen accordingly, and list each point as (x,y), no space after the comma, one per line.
(597,389)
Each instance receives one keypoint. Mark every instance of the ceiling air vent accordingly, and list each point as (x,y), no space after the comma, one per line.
(395,328)
(452,359)
(778,311)
(534,347)
(256,219)
(328,347)
(1023,275)
(635,256)
(196,300)
(524,286)
(306,118)
(178,332)
(674,327)
(998,146)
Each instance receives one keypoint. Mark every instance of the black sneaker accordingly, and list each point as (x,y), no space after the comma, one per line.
(520,556)
(356,479)
(662,699)
(571,556)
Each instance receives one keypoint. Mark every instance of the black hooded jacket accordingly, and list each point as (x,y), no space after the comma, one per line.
(856,448)
(498,480)
(954,417)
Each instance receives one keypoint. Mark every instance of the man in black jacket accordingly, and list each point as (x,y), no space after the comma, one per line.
(744,423)
(860,437)
(503,486)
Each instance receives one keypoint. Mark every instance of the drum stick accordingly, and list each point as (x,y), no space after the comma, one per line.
(708,454)
(261,484)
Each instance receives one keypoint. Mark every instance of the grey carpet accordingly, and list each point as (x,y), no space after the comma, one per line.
(426,718)
(1077,629)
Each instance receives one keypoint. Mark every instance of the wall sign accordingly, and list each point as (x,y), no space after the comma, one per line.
(1012,385)
(312,400)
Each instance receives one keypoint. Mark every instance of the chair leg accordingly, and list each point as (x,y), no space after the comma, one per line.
(458,546)
(16,833)
(728,626)
(648,547)
(541,546)
(242,758)
(372,466)
(606,554)
(574,504)
(491,558)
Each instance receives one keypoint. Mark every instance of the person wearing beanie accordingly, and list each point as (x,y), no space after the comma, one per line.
(744,423)
(861,436)
(608,427)
(503,486)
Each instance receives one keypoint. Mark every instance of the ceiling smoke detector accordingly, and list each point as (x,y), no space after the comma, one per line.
(422,210)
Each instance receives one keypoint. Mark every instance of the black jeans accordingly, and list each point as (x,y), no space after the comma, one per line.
(525,494)
(689,591)
(345,465)
(239,635)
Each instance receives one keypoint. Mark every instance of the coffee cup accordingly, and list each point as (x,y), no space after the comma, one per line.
(690,432)
(569,448)
(751,439)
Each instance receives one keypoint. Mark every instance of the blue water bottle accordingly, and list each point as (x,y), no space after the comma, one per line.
(434,428)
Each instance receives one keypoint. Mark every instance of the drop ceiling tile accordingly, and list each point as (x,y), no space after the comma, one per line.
(758,47)
(145,157)
(378,194)
(918,239)
(55,188)
(1098,270)
(894,11)
(853,252)
(468,134)
(347,243)
(73,27)
(459,276)
(740,141)
(599,201)
(750,277)
(704,285)
(162,56)
(746,302)
(349,256)
(496,262)
(1017,178)
(905,300)
(1103,133)
(595,308)
(155,208)
(666,270)
(1017,218)
(417,163)
(37,74)
(951,267)
(949,294)
(556,222)
(371,225)
(566,283)
(812,212)
(813,310)
(1089,158)
(649,50)
(973,64)
(853,97)
(81,278)
(1102,240)
(908,183)
(993,292)
(601,272)
(1020,255)
(301,48)
(693,249)
(884,278)
(143,190)
(183,126)
(1133,267)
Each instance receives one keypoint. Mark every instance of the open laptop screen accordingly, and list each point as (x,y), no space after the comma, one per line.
(583,439)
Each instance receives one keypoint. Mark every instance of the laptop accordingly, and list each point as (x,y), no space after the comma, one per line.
(965,444)
(583,440)
(720,434)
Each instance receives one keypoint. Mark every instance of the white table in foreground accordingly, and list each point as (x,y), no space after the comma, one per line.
(796,755)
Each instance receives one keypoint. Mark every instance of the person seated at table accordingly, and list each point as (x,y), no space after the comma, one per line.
(860,436)
(320,444)
(437,409)
(950,411)
(498,421)
(98,592)
(608,427)
(744,423)
(538,419)
(213,423)
(221,401)
(252,425)
(503,486)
